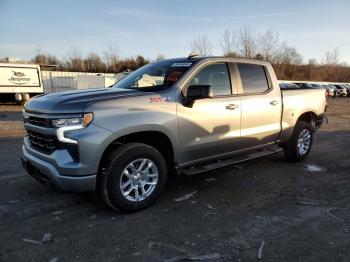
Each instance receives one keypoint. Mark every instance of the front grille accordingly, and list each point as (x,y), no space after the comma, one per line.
(39,121)
(47,144)
(44,143)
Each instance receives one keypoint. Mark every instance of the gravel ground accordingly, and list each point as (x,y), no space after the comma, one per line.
(11,124)
(297,214)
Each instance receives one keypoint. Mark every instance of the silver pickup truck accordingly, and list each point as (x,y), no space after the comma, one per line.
(176,116)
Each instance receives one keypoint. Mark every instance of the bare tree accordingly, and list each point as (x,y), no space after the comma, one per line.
(39,57)
(228,43)
(332,57)
(110,57)
(75,59)
(312,61)
(141,61)
(247,42)
(45,59)
(259,56)
(202,45)
(94,63)
(288,55)
(268,45)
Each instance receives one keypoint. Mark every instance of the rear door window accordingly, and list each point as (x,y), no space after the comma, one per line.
(253,78)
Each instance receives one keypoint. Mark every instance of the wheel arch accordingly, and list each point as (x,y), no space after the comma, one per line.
(308,116)
(156,139)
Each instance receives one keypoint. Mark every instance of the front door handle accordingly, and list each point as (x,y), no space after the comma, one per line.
(274,102)
(232,106)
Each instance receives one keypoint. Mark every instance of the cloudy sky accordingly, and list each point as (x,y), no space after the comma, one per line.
(154,26)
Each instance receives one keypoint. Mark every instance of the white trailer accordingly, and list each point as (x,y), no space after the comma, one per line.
(20,81)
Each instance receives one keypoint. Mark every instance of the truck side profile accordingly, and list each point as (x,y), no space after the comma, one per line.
(184,116)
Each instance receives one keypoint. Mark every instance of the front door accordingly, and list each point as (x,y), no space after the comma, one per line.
(210,126)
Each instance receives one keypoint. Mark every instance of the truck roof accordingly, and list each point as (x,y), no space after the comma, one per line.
(221,58)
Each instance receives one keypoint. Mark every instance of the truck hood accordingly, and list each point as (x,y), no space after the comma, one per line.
(75,101)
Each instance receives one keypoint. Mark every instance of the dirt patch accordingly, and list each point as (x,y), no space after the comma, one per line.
(10,108)
(11,129)
(338,114)
(11,124)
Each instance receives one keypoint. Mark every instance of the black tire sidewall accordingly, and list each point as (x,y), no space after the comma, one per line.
(118,165)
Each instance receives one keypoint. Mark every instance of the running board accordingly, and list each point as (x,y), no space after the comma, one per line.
(237,159)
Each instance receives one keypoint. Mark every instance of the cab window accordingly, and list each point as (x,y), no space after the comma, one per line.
(217,76)
(253,78)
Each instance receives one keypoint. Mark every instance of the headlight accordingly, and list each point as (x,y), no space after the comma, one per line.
(79,121)
(69,124)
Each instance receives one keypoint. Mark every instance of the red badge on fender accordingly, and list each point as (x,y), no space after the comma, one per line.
(155,99)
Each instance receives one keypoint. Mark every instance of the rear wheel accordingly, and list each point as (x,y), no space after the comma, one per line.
(134,176)
(300,143)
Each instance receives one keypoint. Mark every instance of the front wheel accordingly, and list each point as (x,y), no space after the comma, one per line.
(134,176)
(300,143)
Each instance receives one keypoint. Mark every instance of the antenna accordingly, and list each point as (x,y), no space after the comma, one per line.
(192,55)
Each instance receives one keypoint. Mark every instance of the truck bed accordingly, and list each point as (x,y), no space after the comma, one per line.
(297,102)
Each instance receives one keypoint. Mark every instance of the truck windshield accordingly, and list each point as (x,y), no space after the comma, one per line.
(155,76)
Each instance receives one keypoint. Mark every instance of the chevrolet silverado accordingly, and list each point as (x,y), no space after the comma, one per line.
(176,116)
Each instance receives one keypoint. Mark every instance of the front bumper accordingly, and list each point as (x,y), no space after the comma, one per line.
(58,168)
(47,173)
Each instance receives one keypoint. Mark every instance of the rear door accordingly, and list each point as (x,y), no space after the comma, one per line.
(261,106)
(211,126)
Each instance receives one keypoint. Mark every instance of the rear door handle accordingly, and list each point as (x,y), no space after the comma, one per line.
(274,102)
(232,106)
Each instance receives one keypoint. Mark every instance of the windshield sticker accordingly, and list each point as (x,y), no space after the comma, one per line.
(185,64)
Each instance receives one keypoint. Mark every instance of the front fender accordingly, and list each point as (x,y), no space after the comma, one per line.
(145,128)
(138,114)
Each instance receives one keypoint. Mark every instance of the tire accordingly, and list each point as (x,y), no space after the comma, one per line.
(123,169)
(295,150)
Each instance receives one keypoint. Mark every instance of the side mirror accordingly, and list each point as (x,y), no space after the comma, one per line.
(199,91)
